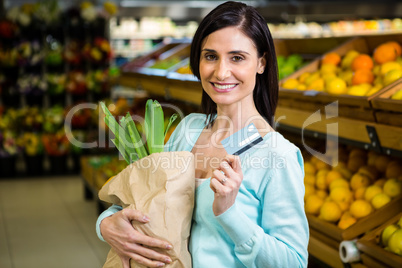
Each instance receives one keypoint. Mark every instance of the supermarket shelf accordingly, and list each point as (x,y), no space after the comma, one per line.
(368,135)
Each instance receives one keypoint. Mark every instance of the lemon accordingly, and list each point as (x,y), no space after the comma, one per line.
(397,95)
(347,76)
(359,180)
(348,58)
(336,86)
(360,208)
(312,77)
(309,179)
(372,191)
(387,232)
(380,182)
(308,190)
(340,182)
(333,175)
(321,183)
(322,193)
(290,83)
(301,87)
(328,68)
(359,193)
(374,89)
(341,194)
(309,168)
(358,90)
(313,204)
(317,85)
(389,66)
(392,76)
(380,200)
(303,76)
(330,211)
(392,187)
(400,222)
(395,242)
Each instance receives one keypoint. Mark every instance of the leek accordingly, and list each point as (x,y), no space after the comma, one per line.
(127,137)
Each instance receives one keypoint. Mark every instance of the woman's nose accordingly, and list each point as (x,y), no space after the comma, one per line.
(222,70)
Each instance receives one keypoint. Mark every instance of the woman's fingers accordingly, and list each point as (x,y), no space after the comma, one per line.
(134,215)
(151,242)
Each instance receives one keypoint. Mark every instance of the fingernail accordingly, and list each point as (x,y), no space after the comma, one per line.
(161,264)
(169,246)
(168,260)
(145,218)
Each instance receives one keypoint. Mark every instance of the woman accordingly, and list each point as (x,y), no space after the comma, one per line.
(249,212)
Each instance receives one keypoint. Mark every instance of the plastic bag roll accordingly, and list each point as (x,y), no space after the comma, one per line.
(349,252)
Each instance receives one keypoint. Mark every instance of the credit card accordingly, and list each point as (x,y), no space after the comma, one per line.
(242,140)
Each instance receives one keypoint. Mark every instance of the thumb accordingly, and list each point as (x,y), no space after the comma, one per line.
(134,215)
(234,161)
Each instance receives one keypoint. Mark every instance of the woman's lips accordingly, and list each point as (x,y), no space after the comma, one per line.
(227,87)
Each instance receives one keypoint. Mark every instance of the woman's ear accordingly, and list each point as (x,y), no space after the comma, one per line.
(261,64)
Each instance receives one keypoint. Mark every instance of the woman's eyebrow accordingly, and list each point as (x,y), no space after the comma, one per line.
(230,52)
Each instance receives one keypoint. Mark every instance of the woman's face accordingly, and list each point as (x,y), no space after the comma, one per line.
(228,66)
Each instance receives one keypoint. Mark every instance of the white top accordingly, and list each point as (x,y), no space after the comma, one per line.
(198,181)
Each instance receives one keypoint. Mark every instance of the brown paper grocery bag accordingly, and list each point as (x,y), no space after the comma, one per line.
(160,185)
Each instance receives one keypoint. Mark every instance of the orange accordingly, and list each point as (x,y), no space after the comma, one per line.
(396,46)
(362,76)
(360,208)
(385,53)
(346,220)
(331,58)
(363,61)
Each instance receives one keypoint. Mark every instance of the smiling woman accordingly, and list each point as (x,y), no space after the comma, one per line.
(249,210)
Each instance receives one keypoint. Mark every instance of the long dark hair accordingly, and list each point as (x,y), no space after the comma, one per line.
(253,25)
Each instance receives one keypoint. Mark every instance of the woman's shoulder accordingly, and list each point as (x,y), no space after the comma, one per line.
(275,142)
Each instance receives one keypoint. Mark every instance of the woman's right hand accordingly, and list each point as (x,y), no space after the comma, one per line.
(131,244)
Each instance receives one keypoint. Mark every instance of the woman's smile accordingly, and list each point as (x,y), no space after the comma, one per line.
(223,87)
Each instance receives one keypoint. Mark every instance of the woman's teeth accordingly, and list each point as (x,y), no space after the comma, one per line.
(224,86)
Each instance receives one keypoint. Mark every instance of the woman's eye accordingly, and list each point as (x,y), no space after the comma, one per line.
(237,58)
(210,57)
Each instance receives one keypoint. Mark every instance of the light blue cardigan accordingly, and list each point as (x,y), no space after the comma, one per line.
(267,225)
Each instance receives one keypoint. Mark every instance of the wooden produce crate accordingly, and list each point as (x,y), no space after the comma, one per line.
(373,253)
(363,225)
(308,49)
(356,107)
(131,72)
(388,111)
(184,87)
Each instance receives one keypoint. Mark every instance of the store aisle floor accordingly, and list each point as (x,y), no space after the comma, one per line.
(47,223)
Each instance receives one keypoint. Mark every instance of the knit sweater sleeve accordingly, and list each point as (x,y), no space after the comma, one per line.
(281,239)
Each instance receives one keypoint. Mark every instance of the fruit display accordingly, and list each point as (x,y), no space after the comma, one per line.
(166,64)
(289,64)
(391,237)
(361,183)
(354,73)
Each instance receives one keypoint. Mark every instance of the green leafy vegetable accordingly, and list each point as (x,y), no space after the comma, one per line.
(127,138)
